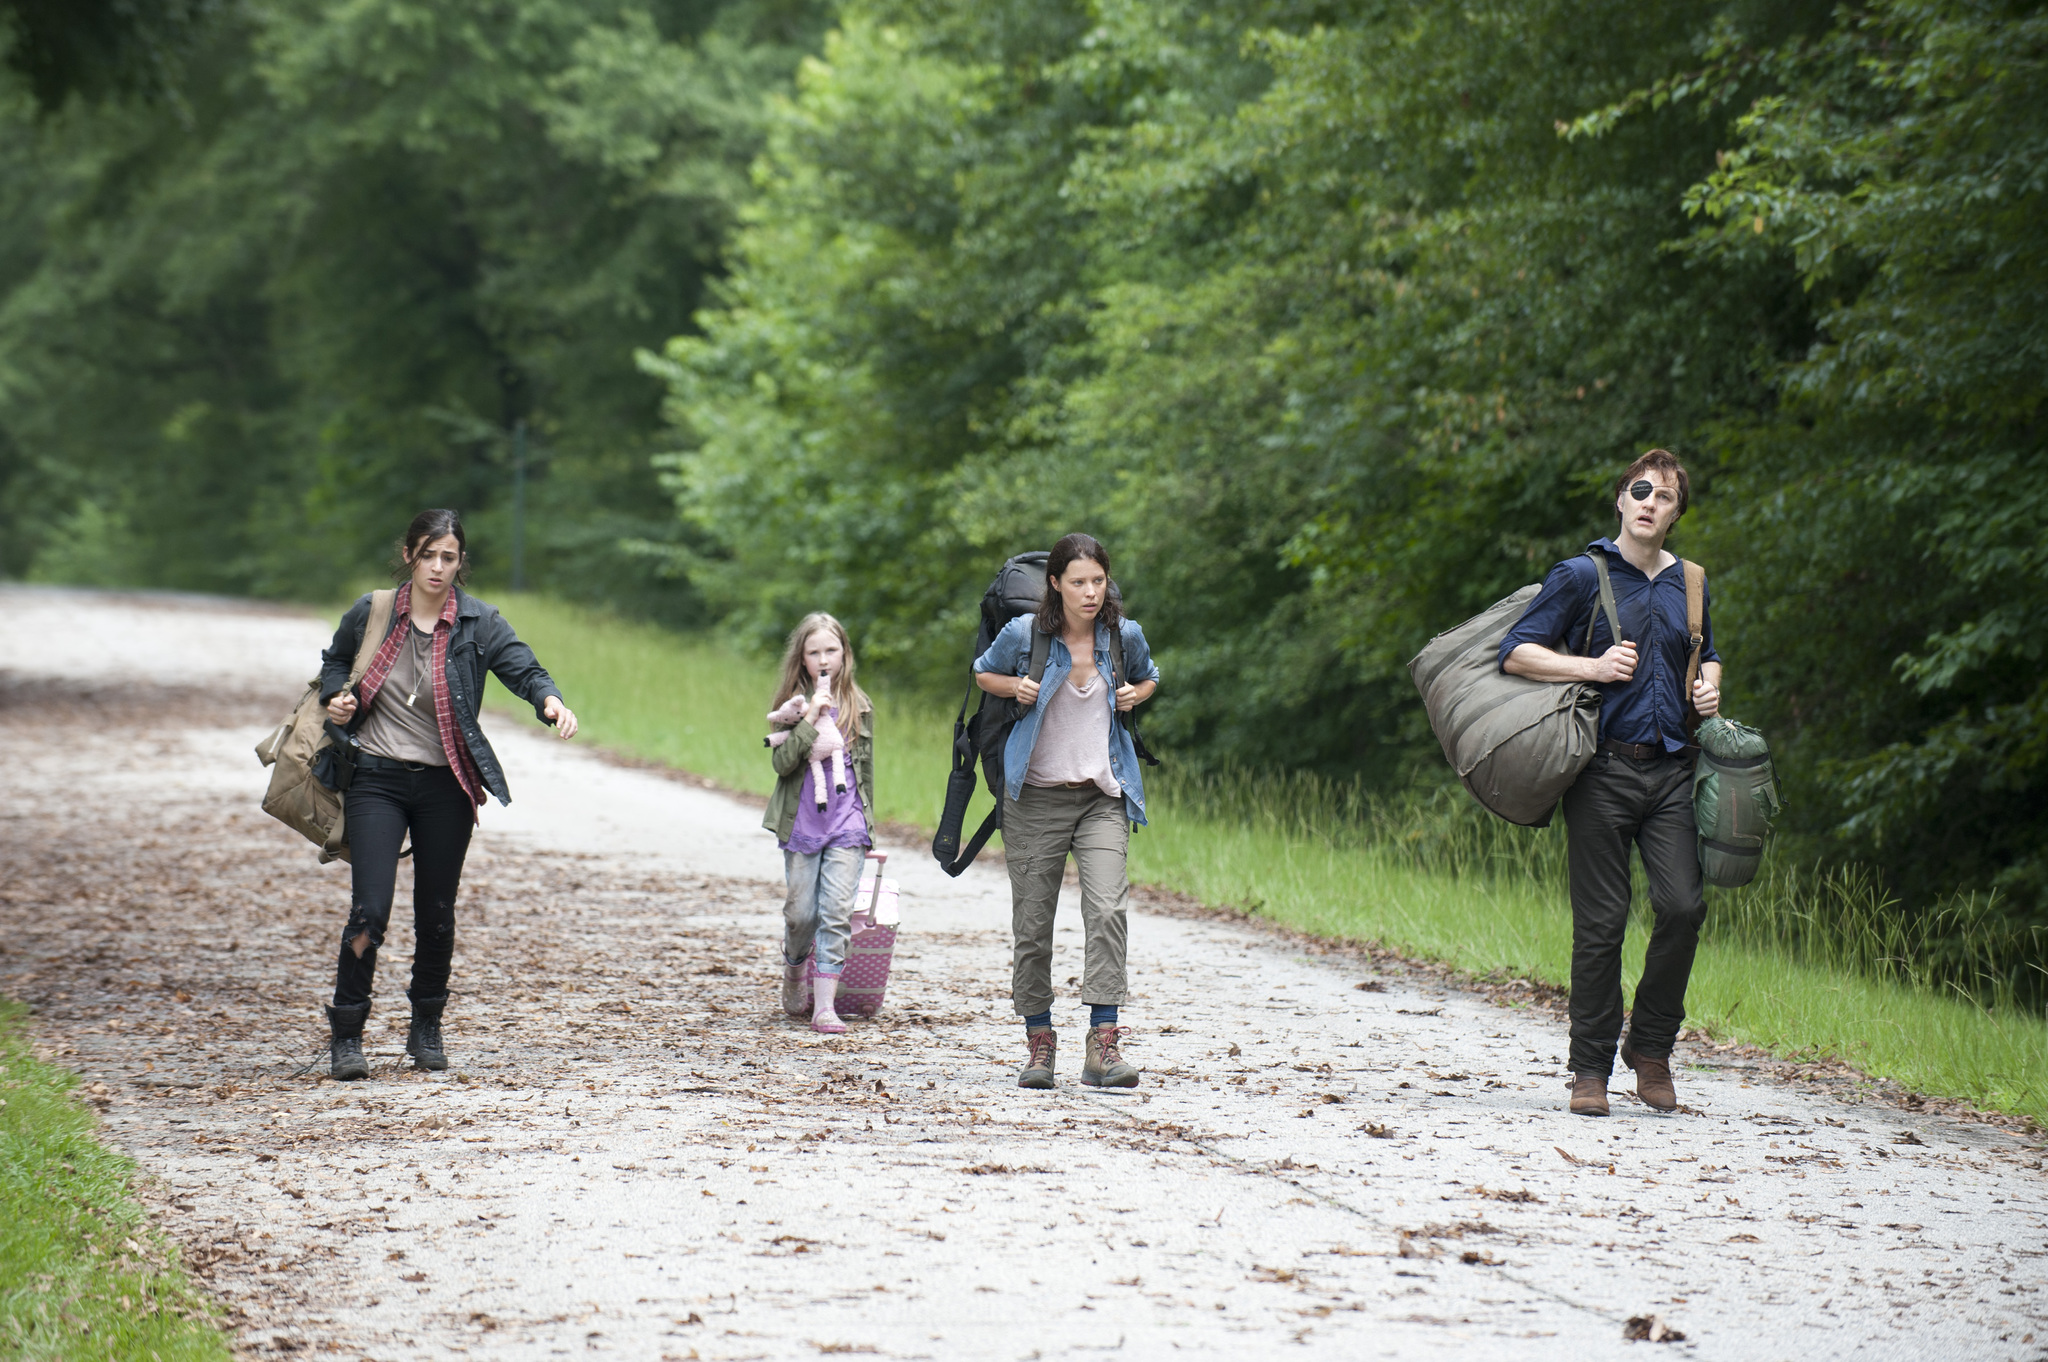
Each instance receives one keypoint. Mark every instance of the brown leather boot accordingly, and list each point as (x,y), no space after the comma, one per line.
(1589,1094)
(1653,1079)
(1102,1063)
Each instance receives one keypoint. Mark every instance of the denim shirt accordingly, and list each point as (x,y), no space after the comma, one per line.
(1650,706)
(1010,655)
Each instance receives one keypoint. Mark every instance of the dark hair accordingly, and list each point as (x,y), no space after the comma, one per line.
(1661,461)
(426,527)
(1052,612)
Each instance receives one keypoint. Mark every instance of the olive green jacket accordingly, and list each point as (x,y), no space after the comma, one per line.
(792,757)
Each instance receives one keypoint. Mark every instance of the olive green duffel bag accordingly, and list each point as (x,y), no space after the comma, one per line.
(1734,799)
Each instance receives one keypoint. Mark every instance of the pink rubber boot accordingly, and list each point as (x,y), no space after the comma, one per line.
(823,1018)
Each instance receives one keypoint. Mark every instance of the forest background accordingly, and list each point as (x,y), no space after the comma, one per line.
(1335,320)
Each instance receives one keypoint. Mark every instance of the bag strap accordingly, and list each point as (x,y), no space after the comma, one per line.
(374,629)
(1128,719)
(1041,650)
(1695,629)
(958,865)
(1606,602)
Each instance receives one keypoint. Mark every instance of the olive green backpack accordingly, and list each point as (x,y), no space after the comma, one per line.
(1734,799)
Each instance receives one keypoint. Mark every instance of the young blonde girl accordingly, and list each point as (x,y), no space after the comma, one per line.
(819,713)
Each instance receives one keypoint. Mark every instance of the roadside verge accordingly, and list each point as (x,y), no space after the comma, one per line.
(82,1272)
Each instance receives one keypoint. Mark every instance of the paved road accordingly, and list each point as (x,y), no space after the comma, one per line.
(636,1155)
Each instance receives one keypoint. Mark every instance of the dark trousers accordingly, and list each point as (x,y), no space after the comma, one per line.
(1617,802)
(382,806)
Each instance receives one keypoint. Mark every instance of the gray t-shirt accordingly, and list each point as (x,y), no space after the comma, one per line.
(402,724)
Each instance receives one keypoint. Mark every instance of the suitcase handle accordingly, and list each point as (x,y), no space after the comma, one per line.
(881,860)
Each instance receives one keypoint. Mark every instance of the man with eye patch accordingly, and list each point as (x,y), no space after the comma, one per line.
(1637,791)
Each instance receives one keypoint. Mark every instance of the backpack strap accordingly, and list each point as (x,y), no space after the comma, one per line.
(1127,718)
(1695,629)
(1041,649)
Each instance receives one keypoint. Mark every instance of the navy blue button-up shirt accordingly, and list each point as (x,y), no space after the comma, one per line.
(1650,706)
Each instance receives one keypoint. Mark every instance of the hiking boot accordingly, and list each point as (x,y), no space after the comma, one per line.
(1102,1063)
(1589,1094)
(1653,1079)
(1037,1071)
(345,1042)
(423,1037)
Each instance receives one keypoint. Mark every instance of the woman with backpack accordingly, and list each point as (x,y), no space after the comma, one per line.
(422,766)
(1071,787)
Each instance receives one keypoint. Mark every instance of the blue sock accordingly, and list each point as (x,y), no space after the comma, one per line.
(1039,1018)
(1102,1014)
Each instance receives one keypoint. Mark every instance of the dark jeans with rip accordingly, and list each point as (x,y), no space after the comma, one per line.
(1620,802)
(382,807)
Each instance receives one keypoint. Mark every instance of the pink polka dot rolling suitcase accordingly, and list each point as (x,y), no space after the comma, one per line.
(876,914)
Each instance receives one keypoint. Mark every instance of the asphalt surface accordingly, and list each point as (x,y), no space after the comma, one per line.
(635,1154)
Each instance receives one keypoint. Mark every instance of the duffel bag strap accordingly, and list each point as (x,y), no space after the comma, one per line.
(1607,606)
(374,629)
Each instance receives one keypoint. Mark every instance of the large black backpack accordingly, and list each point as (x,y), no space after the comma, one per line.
(1018,589)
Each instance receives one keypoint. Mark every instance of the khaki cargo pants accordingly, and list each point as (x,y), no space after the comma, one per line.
(1040,829)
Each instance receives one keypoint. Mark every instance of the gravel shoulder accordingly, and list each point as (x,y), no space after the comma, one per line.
(636,1154)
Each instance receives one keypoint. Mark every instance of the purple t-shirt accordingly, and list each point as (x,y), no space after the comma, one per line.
(841,823)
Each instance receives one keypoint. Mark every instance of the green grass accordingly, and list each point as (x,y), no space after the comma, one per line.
(691,704)
(82,1275)
(1799,963)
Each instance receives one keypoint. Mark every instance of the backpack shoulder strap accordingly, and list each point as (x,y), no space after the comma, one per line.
(1041,649)
(1606,601)
(1117,678)
(1695,629)
(374,629)
(1695,605)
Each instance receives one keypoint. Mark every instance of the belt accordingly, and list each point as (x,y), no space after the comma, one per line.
(370,761)
(1641,751)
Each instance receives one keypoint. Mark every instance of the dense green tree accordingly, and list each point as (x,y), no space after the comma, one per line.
(1334,318)
(1337,320)
(1309,310)
(1889,515)
(237,347)
(93,48)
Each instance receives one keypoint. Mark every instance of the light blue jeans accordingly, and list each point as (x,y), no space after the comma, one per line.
(819,909)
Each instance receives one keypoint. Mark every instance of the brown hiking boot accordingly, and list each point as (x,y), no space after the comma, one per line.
(1589,1094)
(1038,1068)
(1102,1063)
(1653,1079)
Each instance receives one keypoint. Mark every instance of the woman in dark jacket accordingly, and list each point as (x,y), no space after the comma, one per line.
(422,765)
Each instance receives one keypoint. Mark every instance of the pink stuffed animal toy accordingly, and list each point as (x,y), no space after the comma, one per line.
(830,744)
